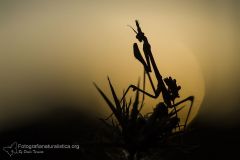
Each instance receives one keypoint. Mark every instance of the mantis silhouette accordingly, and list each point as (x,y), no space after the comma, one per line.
(167,86)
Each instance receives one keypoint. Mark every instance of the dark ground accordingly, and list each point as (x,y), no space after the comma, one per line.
(71,127)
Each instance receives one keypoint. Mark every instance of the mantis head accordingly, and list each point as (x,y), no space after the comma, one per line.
(139,33)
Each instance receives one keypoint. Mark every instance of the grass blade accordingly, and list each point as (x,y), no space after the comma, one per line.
(112,107)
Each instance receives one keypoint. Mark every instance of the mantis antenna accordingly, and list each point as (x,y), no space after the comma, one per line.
(132,29)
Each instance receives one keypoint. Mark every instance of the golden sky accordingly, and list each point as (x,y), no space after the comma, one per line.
(55,50)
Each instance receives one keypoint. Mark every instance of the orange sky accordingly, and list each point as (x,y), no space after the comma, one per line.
(56,49)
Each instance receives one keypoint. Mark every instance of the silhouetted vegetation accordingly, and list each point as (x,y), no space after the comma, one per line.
(137,134)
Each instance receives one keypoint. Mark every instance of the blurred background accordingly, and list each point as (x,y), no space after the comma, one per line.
(52,51)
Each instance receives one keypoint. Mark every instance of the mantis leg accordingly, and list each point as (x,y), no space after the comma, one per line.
(156,93)
(143,97)
(191,99)
(138,89)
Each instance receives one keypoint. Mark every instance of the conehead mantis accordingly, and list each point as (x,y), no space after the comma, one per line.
(166,86)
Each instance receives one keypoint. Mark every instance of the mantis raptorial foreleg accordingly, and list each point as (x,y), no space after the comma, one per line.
(138,56)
